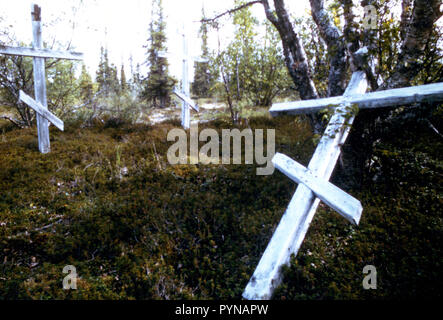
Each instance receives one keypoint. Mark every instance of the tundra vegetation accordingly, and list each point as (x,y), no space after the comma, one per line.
(107,201)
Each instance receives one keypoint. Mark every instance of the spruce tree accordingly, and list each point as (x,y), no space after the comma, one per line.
(137,81)
(101,74)
(106,75)
(85,85)
(158,86)
(123,83)
(202,76)
(113,82)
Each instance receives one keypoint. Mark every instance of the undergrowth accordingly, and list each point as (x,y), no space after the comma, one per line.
(106,201)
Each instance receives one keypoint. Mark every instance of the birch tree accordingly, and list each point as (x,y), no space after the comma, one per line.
(400,53)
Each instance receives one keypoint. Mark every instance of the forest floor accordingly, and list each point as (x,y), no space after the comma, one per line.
(209,109)
(106,201)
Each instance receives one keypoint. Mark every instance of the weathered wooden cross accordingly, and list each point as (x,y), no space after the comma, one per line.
(313,180)
(185,93)
(44,116)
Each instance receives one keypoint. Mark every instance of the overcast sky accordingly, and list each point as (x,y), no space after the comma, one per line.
(126,24)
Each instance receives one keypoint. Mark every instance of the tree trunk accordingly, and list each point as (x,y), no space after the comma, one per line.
(336,48)
(295,55)
(416,33)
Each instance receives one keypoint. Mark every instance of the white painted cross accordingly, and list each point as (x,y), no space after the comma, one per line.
(185,93)
(313,181)
(39,54)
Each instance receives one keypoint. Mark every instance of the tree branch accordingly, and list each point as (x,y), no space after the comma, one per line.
(406,10)
(295,55)
(269,13)
(231,11)
(13,121)
(336,47)
(350,32)
(358,57)
(424,14)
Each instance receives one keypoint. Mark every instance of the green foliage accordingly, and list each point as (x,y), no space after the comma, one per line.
(158,86)
(204,76)
(63,91)
(400,231)
(252,65)
(113,100)
(63,88)
(15,75)
(86,85)
(106,76)
(316,52)
(106,201)
(123,81)
(135,83)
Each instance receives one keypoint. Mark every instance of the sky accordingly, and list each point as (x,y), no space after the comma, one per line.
(120,25)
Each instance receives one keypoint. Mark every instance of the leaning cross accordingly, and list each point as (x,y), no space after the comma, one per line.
(39,54)
(185,93)
(313,180)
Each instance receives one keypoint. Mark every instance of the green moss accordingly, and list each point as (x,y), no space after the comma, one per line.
(198,232)
(400,232)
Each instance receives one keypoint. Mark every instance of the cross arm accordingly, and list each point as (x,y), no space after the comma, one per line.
(384,98)
(200,59)
(40,53)
(38,107)
(295,222)
(340,201)
(187,100)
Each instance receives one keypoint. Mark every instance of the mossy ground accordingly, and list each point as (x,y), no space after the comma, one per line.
(106,201)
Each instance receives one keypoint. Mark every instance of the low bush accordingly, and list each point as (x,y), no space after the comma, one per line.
(106,201)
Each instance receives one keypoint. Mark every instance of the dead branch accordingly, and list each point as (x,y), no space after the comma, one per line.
(231,11)
(13,121)
(433,128)
(26,233)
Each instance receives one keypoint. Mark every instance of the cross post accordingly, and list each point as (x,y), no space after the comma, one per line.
(186,112)
(185,94)
(40,81)
(313,184)
(39,54)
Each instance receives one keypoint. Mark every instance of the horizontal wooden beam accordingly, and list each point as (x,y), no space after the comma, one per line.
(199,59)
(345,204)
(40,53)
(187,100)
(385,98)
(41,110)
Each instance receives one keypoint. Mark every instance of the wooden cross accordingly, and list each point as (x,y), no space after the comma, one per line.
(39,54)
(185,93)
(313,184)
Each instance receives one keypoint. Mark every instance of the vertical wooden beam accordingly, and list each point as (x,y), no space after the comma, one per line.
(295,222)
(186,112)
(39,80)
